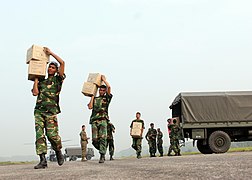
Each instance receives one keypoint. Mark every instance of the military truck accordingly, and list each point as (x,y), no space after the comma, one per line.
(73,153)
(214,119)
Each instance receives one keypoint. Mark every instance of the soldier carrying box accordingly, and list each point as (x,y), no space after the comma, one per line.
(136,132)
(99,118)
(47,108)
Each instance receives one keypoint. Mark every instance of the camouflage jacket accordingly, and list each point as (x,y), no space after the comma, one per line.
(100,108)
(151,134)
(110,130)
(48,97)
(175,130)
(159,137)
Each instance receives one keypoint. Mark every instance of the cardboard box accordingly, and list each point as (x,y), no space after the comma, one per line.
(36,53)
(136,129)
(89,89)
(95,78)
(177,120)
(137,125)
(136,133)
(36,69)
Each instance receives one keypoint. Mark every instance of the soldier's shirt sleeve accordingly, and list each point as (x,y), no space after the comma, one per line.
(131,124)
(109,97)
(61,78)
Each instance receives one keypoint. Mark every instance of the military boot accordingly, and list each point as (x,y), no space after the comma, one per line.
(169,153)
(60,157)
(111,158)
(178,153)
(43,163)
(139,156)
(102,158)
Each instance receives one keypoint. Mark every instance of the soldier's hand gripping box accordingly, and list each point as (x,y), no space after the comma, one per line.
(89,89)
(36,69)
(36,53)
(136,131)
(95,78)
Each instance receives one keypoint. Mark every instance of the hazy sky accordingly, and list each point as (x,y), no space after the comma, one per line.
(149,50)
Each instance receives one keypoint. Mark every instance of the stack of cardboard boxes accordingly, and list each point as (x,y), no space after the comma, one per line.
(37,60)
(93,82)
(136,130)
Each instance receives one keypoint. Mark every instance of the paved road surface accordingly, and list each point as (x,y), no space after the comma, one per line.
(216,166)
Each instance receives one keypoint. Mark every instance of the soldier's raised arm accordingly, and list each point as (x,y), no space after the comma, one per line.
(107,84)
(60,61)
(91,102)
(35,90)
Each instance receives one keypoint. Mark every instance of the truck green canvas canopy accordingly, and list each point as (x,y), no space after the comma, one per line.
(214,106)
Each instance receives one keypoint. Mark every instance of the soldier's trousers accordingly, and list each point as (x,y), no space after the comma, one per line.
(174,146)
(137,144)
(160,147)
(84,149)
(152,146)
(49,123)
(110,145)
(99,135)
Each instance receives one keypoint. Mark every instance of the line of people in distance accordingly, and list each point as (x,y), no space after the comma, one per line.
(154,138)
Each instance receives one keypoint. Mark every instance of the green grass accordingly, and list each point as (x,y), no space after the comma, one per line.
(240,149)
(15,163)
(237,149)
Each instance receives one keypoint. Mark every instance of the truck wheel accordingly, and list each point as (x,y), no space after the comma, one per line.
(74,158)
(219,142)
(88,157)
(203,148)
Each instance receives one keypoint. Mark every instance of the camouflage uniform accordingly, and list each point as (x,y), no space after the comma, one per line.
(160,142)
(137,142)
(98,120)
(84,142)
(151,137)
(174,139)
(45,113)
(110,140)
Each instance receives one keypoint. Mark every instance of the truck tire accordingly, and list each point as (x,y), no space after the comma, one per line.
(74,158)
(219,142)
(203,148)
(88,157)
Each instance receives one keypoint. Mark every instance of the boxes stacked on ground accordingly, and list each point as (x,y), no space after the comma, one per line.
(93,82)
(136,130)
(37,60)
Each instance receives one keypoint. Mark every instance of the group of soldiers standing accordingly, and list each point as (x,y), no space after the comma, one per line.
(155,141)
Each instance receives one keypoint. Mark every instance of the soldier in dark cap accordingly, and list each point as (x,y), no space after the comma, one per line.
(151,137)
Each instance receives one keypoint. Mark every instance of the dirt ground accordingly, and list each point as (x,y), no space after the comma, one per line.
(215,166)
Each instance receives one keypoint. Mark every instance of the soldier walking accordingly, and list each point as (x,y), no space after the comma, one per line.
(110,140)
(137,141)
(151,137)
(160,142)
(46,110)
(174,138)
(84,142)
(99,118)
